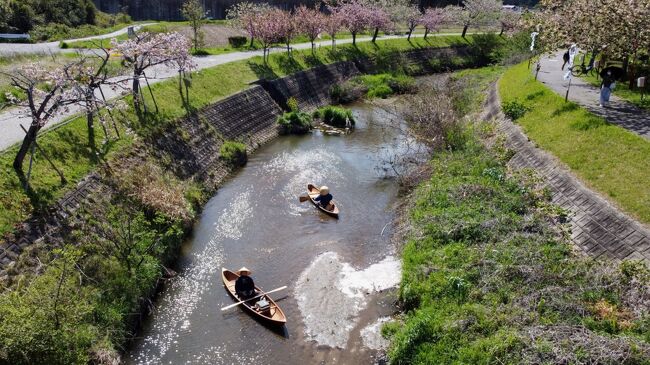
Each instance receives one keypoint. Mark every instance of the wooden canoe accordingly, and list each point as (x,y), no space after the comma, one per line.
(313,192)
(273,316)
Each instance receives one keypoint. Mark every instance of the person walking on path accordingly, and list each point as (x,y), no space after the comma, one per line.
(606,88)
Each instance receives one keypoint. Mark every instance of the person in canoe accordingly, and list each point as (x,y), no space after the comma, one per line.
(325,198)
(244,286)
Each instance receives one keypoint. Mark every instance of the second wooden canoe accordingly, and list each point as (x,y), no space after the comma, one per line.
(313,192)
(274,315)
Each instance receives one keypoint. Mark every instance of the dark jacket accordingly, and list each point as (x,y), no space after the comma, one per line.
(245,287)
(324,200)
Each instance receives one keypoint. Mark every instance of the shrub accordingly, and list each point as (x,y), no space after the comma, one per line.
(384,85)
(64,45)
(292,104)
(514,109)
(335,116)
(233,153)
(347,92)
(294,123)
(237,41)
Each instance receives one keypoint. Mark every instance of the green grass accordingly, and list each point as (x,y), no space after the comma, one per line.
(606,157)
(623,91)
(486,266)
(68,143)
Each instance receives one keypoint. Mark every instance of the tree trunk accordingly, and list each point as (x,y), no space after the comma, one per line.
(410,32)
(333,43)
(91,131)
(136,92)
(29,139)
(465,30)
(251,45)
(426,32)
(354,38)
(374,36)
(502,30)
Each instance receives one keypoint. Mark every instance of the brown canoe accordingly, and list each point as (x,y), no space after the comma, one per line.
(273,315)
(313,192)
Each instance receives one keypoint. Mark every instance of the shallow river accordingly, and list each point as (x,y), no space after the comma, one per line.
(336,270)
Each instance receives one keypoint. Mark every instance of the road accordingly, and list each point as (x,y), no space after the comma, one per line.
(10,120)
(14,49)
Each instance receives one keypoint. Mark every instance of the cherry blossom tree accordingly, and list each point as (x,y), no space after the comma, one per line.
(333,24)
(269,29)
(147,50)
(48,93)
(412,17)
(247,16)
(431,20)
(509,21)
(88,74)
(286,27)
(379,20)
(356,17)
(310,22)
(475,12)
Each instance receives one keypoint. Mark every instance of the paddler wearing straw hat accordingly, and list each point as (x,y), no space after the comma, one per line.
(244,286)
(324,198)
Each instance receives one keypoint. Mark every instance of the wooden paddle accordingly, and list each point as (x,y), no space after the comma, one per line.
(257,296)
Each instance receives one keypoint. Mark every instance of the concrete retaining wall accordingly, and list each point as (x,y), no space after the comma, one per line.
(311,88)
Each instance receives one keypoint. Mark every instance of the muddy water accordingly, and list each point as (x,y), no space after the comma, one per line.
(255,220)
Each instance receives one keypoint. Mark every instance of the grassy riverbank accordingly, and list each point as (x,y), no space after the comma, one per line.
(69,142)
(606,157)
(489,277)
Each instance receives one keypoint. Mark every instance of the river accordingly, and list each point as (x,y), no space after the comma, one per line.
(341,274)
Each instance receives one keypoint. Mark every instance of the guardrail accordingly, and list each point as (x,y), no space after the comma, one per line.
(14,36)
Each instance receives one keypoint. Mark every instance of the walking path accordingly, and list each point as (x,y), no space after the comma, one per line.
(597,227)
(10,120)
(618,112)
(13,49)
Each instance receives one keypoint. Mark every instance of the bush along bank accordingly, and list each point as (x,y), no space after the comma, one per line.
(335,116)
(489,275)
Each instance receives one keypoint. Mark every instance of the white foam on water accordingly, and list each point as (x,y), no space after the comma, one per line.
(187,289)
(331,294)
(377,277)
(371,335)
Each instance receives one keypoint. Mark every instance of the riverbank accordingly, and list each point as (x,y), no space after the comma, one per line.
(489,275)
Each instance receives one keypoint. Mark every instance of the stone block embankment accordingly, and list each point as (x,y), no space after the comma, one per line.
(598,228)
(418,62)
(310,88)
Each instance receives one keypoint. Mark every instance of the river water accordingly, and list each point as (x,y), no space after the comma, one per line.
(339,273)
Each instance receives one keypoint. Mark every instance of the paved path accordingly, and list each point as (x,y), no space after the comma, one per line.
(597,227)
(619,112)
(10,120)
(13,49)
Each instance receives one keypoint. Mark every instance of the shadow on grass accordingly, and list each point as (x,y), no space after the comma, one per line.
(262,71)
(565,108)
(591,122)
(535,95)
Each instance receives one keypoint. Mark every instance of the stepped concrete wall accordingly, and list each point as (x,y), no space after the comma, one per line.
(311,88)
(419,62)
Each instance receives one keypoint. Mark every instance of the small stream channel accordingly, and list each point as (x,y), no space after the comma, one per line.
(339,272)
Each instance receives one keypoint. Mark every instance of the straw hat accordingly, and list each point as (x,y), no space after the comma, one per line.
(244,271)
(324,190)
